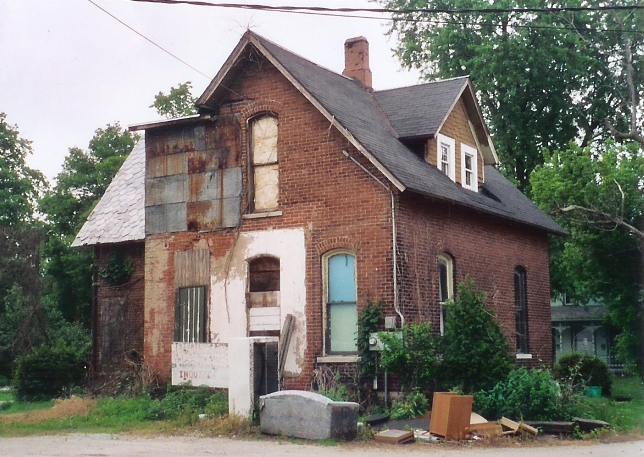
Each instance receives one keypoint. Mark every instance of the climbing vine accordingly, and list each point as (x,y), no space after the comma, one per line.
(368,322)
(118,269)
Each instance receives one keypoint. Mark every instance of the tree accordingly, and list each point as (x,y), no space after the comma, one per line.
(476,354)
(20,185)
(178,103)
(597,195)
(82,182)
(544,79)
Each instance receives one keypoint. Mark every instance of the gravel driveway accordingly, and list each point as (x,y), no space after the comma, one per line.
(103,445)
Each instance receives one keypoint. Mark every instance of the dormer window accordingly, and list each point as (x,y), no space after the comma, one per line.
(445,156)
(469,168)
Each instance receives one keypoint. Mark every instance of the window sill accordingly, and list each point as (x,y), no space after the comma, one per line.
(338,359)
(262,215)
(523,356)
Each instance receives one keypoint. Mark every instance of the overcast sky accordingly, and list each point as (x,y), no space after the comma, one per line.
(68,68)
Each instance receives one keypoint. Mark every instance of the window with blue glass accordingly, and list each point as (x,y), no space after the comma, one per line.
(341,309)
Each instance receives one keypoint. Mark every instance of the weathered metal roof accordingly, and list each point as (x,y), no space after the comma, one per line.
(120,214)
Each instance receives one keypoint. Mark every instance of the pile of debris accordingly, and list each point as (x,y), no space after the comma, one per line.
(452,418)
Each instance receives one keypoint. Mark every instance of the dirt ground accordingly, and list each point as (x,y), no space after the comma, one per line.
(104,445)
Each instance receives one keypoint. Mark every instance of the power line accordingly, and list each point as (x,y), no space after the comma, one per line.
(149,40)
(554,9)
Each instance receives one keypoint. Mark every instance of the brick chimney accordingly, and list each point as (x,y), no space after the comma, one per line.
(356,60)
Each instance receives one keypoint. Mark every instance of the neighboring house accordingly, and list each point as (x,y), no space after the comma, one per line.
(293,197)
(577,328)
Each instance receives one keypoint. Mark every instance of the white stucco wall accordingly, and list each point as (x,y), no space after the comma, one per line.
(228,299)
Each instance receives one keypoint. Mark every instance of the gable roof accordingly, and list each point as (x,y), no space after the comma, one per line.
(375,123)
(119,216)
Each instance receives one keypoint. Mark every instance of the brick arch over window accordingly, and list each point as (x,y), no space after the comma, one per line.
(337,243)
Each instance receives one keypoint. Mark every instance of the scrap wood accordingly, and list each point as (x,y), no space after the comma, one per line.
(518,427)
(393,436)
(486,430)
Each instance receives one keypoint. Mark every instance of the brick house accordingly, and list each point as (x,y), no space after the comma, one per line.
(261,226)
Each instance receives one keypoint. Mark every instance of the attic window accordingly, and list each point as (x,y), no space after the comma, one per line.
(445,156)
(469,168)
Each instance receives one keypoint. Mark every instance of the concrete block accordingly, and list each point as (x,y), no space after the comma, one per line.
(308,415)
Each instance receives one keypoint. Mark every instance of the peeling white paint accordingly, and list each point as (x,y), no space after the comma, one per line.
(228,302)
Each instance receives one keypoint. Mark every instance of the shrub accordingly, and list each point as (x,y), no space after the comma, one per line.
(368,323)
(183,403)
(584,370)
(476,354)
(47,372)
(525,394)
(412,356)
(415,404)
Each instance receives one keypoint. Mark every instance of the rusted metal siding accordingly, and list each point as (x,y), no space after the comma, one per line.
(193,177)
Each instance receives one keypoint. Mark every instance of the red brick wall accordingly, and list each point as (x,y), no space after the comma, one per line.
(130,297)
(341,206)
(484,249)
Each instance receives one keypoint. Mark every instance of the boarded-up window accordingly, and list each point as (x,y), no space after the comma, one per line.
(190,315)
(342,313)
(265,173)
(521,310)
(264,274)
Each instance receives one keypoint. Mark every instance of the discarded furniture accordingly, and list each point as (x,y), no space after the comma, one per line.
(307,415)
(450,415)
(518,427)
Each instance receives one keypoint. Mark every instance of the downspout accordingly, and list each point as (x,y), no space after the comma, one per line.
(393,234)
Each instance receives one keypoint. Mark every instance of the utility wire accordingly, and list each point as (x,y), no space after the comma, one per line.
(553,9)
(149,40)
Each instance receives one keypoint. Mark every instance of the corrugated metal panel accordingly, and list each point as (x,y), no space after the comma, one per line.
(165,218)
(173,164)
(167,189)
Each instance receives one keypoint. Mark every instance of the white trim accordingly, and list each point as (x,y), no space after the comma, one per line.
(325,294)
(338,359)
(261,215)
(523,356)
(451,155)
(449,266)
(467,150)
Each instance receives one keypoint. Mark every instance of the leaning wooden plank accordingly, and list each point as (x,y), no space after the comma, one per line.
(509,423)
(395,436)
(525,428)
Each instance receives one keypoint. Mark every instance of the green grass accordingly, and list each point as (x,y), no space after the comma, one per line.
(624,416)
(21,407)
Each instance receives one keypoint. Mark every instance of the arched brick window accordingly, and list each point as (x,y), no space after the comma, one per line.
(521,310)
(264,171)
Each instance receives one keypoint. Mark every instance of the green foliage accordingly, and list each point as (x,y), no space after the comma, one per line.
(583,370)
(411,355)
(48,371)
(118,269)
(415,404)
(543,79)
(337,393)
(601,259)
(185,404)
(83,181)
(368,322)
(20,185)
(525,395)
(178,103)
(476,354)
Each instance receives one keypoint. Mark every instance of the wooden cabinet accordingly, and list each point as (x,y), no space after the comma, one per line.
(450,415)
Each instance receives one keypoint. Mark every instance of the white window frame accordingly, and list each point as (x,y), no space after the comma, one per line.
(326,305)
(467,150)
(442,140)
(449,264)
